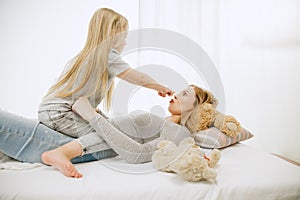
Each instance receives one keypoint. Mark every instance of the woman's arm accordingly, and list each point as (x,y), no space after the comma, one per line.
(123,145)
(139,78)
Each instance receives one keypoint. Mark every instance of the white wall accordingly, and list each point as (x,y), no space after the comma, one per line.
(260,66)
(37,39)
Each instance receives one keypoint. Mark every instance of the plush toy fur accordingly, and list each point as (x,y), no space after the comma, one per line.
(186,159)
(206,115)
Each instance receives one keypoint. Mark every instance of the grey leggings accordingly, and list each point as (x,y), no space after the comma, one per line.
(135,139)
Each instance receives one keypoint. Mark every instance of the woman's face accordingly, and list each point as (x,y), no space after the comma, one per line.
(182,102)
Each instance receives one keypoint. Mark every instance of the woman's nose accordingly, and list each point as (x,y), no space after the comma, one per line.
(175,97)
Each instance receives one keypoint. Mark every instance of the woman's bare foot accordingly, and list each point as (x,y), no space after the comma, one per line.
(58,160)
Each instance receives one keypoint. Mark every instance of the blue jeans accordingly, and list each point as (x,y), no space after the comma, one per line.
(25,140)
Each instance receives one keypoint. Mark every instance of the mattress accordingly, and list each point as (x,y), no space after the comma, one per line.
(243,173)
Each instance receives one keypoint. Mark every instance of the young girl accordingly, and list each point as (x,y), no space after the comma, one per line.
(91,74)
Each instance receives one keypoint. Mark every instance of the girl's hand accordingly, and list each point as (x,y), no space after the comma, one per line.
(165,91)
(83,107)
(101,113)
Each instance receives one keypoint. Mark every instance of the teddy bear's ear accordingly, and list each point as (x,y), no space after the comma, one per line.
(214,156)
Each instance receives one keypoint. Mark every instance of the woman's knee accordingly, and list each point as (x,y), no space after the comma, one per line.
(148,123)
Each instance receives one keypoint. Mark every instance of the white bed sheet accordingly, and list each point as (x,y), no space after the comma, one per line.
(243,173)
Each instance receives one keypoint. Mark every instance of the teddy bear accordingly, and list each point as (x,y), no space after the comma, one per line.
(206,115)
(186,159)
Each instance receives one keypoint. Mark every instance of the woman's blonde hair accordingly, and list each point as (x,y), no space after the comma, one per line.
(192,119)
(104,26)
(204,96)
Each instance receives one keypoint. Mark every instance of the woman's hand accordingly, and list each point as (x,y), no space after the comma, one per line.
(83,107)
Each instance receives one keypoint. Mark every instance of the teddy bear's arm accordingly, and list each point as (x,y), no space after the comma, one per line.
(227,124)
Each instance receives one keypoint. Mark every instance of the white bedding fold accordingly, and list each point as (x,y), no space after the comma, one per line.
(8,163)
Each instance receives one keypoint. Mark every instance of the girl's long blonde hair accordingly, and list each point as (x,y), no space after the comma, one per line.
(104,26)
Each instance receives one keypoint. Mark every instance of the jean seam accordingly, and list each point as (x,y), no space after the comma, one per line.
(29,139)
(25,136)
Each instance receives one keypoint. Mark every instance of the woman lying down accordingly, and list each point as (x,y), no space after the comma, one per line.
(134,137)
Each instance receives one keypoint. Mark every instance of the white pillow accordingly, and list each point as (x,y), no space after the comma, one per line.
(213,138)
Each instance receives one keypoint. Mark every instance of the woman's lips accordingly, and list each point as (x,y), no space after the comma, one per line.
(171,101)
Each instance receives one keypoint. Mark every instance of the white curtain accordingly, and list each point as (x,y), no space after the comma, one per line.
(195,20)
(255,46)
(198,20)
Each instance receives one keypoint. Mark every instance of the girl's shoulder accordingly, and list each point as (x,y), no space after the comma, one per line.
(113,54)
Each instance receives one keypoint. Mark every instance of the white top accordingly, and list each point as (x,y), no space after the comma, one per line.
(116,65)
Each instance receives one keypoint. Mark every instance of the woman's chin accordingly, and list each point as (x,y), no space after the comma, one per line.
(173,111)
(170,109)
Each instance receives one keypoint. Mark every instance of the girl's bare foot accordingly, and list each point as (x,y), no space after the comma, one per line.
(61,162)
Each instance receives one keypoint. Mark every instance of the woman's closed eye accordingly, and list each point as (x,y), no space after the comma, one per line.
(185,93)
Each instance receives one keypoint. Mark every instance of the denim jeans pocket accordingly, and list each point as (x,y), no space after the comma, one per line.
(61,119)
(66,122)
(44,118)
